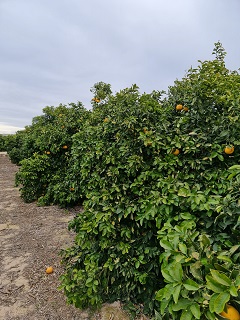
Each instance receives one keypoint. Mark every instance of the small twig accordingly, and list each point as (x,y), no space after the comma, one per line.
(22,285)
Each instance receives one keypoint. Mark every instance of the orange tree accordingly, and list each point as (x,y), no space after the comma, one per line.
(200,263)
(45,150)
(14,146)
(160,189)
(2,143)
(157,184)
(116,253)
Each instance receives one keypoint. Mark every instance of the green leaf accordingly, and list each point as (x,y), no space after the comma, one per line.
(157,315)
(166,275)
(212,301)
(224,258)
(195,270)
(182,304)
(220,267)
(220,157)
(214,285)
(191,285)
(89,282)
(176,292)
(175,271)
(163,305)
(168,290)
(233,291)
(183,192)
(210,315)
(186,315)
(166,245)
(175,242)
(221,278)
(234,249)
(234,167)
(205,240)
(238,281)
(183,248)
(179,258)
(195,309)
(220,301)
(186,216)
(160,295)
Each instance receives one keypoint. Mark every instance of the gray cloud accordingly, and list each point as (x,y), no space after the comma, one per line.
(53,51)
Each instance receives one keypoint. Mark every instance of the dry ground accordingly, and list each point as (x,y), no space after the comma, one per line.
(30,240)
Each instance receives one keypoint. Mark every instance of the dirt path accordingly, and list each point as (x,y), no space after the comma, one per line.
(30,240)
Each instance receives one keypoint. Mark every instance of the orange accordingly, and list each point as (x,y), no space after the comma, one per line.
(65,147)
(176,152)
(48,152)
(185,109)
(96,99)
(49,270)
(106,120)
(71,189)
(179,107)
(231,313)
(229,150)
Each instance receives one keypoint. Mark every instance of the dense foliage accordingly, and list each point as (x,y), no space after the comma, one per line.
(159,179)
(2,143)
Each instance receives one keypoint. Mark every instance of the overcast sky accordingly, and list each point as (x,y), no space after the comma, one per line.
(53,51)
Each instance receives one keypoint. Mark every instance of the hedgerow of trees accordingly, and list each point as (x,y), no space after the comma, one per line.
(159,178)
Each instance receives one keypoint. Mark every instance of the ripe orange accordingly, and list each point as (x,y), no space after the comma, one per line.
(231,313)
(71,189)
(179,107)
(65,147)
(49,270)
(176,152)
(185,109)
(229,150)
(96,99)
(48,152)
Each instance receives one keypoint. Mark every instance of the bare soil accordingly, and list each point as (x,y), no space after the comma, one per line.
(31,238)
